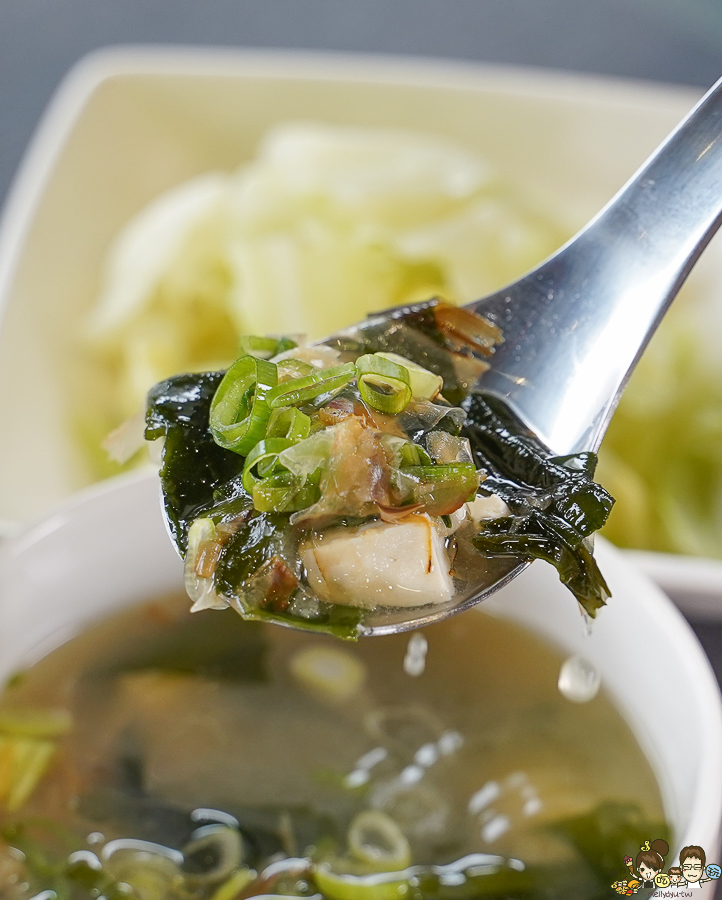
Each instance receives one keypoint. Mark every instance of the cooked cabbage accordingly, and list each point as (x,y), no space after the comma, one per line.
(325,225)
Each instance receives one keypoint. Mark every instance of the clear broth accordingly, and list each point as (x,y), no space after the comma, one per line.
(478,754)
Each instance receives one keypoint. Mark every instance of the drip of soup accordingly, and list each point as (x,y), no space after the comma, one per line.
(160,756)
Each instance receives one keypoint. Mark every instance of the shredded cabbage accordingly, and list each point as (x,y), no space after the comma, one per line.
(662,455)
(326,224)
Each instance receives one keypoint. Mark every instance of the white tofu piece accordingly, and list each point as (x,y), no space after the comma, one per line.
(381,564)
(491,507)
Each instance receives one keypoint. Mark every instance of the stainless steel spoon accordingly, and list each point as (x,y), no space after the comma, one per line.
(575,327)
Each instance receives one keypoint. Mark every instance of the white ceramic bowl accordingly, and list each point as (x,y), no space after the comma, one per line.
(107,547)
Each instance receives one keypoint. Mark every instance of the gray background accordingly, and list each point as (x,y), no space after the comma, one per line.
(669,40)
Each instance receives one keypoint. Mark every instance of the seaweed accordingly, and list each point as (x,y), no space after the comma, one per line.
(555,505)
(193,464)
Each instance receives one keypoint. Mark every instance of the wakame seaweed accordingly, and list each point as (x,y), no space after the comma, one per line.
(193,464)
(554,502)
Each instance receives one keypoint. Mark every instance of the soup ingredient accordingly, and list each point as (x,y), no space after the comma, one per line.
(293,491)
(380,564)
(329,673)
(188,777)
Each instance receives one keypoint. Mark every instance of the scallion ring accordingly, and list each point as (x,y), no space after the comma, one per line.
(239,410)
(284,492)
(265,454)
(384,385)
(263,347)
(289,422)
(303,390)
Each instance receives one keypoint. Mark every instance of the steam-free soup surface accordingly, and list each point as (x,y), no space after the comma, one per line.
(170,729)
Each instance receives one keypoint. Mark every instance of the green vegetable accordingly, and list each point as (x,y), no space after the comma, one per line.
(321,386)
(555,505)
(662,454)
(240,409)
(608,833)
(383,384)
(264,453)
(425,385)
(263,347)
(193,463)
(377,841)
(289,422)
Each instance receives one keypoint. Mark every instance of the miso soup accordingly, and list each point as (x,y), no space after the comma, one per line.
(163,756)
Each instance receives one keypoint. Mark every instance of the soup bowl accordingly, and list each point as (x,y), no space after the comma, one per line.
(107,548)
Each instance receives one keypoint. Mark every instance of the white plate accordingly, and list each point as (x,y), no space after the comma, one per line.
(127,124)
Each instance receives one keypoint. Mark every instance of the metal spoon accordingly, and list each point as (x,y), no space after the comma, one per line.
(575,327)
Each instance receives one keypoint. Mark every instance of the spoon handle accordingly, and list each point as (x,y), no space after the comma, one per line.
(575,327)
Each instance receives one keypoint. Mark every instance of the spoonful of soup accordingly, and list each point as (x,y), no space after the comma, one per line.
(405,468)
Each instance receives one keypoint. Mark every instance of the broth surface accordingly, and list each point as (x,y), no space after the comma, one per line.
(177,716)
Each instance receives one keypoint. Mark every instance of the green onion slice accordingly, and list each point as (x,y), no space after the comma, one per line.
(239,410)
(323,382)
(436,474)
(289,422)
(383,384)
(263,347)
(411,454)
(284,492)
(263,458)
(294,368)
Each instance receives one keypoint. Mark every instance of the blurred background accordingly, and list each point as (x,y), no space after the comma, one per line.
(677,41)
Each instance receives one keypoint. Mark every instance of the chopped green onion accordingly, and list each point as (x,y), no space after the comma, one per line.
(384,385)
(264,452)
(235,884)
(273,490)
(435,474)
(411,454)
(283,492)
(289,422)
(441,490)
(263,347)
(375,886)
(294,368)
(329,673)
(239,410)
(425,385)
(323,382)
(376,840)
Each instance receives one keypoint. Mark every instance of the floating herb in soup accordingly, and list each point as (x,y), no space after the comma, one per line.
(208,758)
(308,484)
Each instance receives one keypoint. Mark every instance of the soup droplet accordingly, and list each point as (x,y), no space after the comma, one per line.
(415,659)
(579,680)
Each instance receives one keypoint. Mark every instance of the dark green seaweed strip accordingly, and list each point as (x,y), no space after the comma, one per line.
(555,504)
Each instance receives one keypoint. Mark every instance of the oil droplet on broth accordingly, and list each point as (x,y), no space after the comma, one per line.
(579,681)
